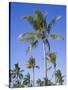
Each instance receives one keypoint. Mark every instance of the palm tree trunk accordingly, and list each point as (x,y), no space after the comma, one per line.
(55,72)
(17,80)
(45,64)
(29,83)
(33,77)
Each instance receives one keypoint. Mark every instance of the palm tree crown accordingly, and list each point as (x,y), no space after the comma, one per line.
(59,77)
(16,74)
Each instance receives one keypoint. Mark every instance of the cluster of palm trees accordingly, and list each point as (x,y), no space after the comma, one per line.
(42,31)
(17,79)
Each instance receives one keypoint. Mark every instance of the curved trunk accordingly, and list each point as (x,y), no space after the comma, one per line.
(33,77)
(45,64)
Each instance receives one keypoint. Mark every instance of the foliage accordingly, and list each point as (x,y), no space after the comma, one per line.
(16,75)
(26,81)
(42,31)
(59,77)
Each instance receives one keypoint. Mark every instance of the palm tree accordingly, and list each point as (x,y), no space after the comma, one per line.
(27,80)
(39,82)
(49,83)
(42,32)
(32,64)
(59,77)
(17,85)
(16,74)
(53,61)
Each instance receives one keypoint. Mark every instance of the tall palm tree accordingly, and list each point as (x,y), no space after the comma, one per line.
(16,74)
(59,77)
(42,32)
(32,64)
(53,61)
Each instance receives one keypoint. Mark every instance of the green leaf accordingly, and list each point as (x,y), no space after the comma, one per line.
(37,66)
(29,39)
(29,36)
(52,57)
(29,19)
(39,18)
(53,21)
(58,17)
(36,21)
(46,42)
(56,36)
(28,66)
(21,76)
(28,33)
(33,45)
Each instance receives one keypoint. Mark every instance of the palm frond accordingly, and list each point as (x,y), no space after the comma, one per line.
(28,33)
(28,66)
(21,76)
(38,20)
(29,36)
(53,21)
(30,39)
(39,13)
(52,57)
(46,42)
(29,19)
(39,16)
(37,66)
(56,36)
(33,45)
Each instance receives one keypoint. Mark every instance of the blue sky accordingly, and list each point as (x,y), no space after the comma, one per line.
(18,26)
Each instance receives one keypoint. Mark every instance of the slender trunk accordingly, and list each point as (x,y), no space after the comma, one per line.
(45,64)
(33,77)
(29,83)
(55,72)
(17,80)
